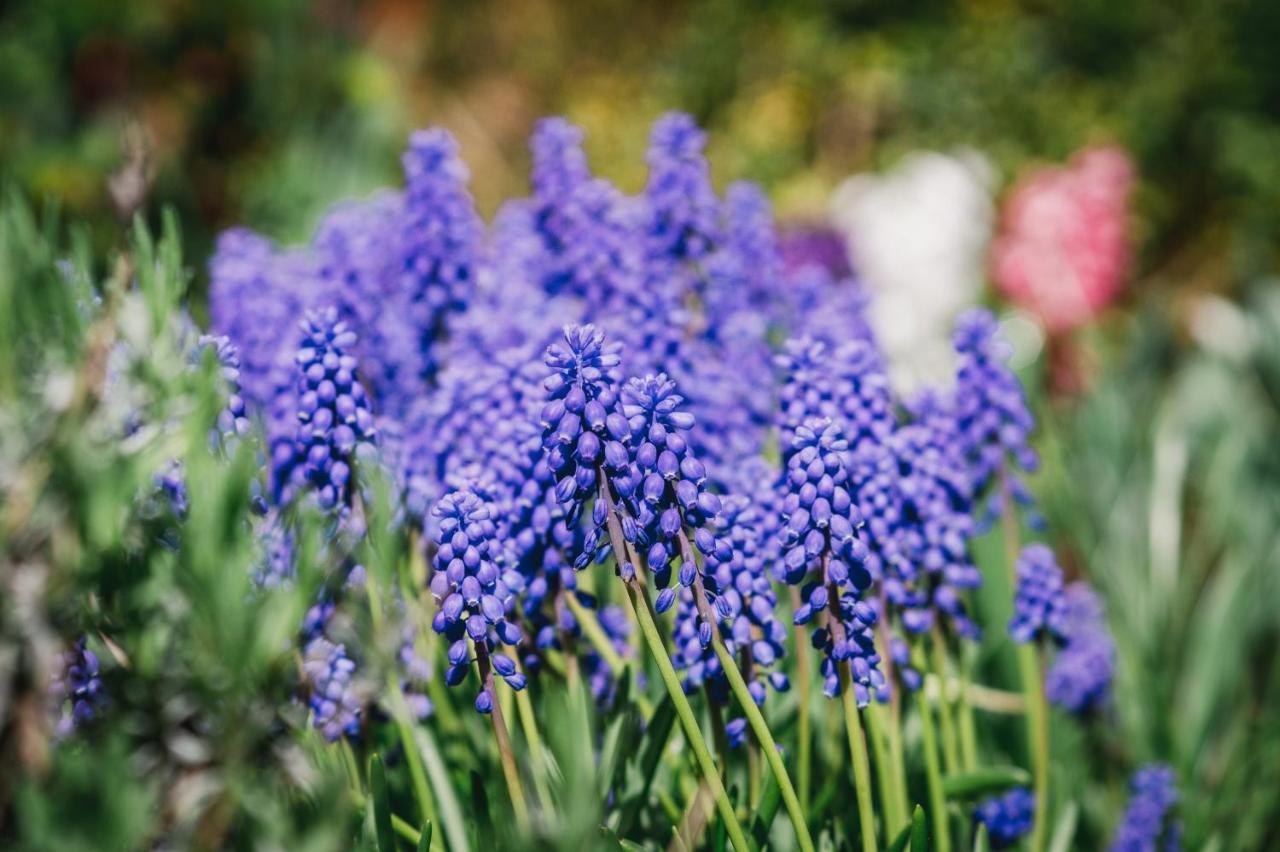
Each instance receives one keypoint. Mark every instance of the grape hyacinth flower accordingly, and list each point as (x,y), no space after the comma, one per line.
(581,428)
(441,239)
(76,689)
(1080,678)
(846,383)
(1007,817)
(334,419)
(991,407)
(683,209)
(1148,825)
(233,420)
(932,567)
(475,588)
(820,535)
(745,600)
(275,567)
(415,674)
(336,704)
(1039,607)
(672,494)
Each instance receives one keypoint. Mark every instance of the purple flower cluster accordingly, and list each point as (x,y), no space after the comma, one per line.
(1080,678)
(336,703)
(671,494)
(334,419)
(1007,817)
(475,587)
(76,689)
(233,420)
(441,237)
(581,428)
(682,208)
(820,541)
(1039,607)
(990,406)
(1148,824)
(846,383)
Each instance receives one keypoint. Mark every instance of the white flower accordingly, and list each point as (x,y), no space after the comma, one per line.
(918,239)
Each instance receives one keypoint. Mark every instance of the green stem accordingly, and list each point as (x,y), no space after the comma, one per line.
(1037,738)
(641,609)
(933,773)
(706,764)
(400,711)
(803,731)
(950,750)
(858,754)
(1032,681)
(885,779)
(767,744)
(604,647)
(968,735)
(505,754)
(537,756)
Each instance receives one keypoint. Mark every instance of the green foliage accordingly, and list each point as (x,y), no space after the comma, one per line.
(1161,485)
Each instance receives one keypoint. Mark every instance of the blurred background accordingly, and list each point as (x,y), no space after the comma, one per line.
(951,146)
(264,112)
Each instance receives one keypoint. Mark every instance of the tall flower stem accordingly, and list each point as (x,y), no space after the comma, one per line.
(693,733)
(642,610)
(893,726)
(718,735)
(1037,736)
(933,772)
(1032,680)
(599,640)
(968,735)
(537,756)
(885,776)
(852,717)
(505,753)
(803,685)
(754,717)
(753,743)
(950,748)
(858,754)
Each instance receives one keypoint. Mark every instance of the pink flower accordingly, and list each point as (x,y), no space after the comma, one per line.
(1063,249)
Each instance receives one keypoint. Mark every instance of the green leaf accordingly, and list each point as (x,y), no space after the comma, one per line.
(983,782)
(981,843)
(770,801)
(1065,831)
(919,831)
(381,805)
(424,840)
(655,740)
(904,837)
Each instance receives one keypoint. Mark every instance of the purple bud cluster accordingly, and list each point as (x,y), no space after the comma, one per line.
(441,236)
(1148,824)
(1039,606)
(683,211)
(76,689)
(336,701)
(990,405)
(233,420)
(475,586)
(1079,680)
(670,494)
(334,420)
(846,383)
(1007,817)
(820,540)
(746,599)
(581,429)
